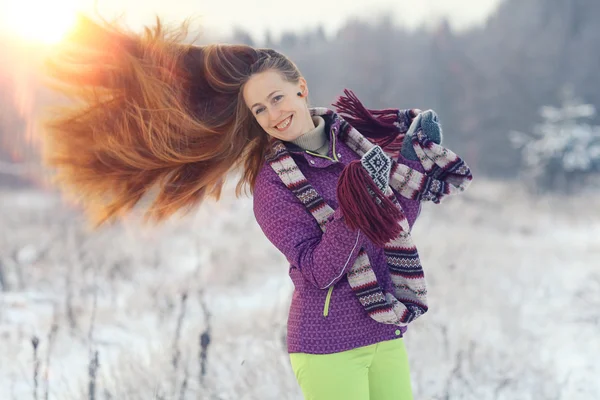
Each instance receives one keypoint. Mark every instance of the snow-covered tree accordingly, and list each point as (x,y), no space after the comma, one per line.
(563,151)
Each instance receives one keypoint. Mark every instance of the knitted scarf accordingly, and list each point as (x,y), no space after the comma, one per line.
(445,174)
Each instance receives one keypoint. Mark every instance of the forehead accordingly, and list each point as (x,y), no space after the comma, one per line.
(260,85)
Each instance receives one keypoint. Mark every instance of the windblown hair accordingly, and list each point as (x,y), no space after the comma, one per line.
(153,113)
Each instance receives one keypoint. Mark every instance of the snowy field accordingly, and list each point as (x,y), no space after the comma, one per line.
(196,308)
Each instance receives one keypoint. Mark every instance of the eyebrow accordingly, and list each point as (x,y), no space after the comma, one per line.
(268,97)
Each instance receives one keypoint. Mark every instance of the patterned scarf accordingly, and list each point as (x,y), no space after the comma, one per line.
(445,174)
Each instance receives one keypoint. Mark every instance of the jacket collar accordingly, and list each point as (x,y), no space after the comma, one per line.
(332,127)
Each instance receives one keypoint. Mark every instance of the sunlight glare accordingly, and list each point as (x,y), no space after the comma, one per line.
(39,21)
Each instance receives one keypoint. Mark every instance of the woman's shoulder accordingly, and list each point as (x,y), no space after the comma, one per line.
(268,185)
(273,199)
(265,175)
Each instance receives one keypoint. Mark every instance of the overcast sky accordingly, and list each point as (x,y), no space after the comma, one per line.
(259,15)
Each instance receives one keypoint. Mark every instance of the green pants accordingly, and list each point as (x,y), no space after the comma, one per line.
(376,372)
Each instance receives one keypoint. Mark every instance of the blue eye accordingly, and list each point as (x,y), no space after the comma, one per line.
(275,99)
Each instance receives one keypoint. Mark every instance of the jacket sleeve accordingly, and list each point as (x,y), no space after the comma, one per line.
(322,257)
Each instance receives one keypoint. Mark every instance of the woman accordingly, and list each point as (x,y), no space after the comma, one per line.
(160,114)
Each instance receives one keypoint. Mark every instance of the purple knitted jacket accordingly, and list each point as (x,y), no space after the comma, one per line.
(318,260)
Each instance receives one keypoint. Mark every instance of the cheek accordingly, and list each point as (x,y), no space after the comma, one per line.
(262,120)
(299,104)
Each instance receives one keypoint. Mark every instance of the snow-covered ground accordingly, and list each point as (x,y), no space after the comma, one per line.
(514,287)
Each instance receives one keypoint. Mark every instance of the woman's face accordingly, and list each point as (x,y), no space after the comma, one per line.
(275,104)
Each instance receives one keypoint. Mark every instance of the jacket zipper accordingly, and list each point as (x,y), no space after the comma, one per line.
(334,159)
(327,301)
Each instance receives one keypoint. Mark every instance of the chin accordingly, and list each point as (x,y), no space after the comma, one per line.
(295,136)
(287,136)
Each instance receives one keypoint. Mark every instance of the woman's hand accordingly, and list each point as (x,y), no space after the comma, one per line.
(378,165)
(428,123)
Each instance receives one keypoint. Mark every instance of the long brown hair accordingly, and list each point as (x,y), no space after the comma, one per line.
(153,112)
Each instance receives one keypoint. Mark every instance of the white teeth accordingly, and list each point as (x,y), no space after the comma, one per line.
(284,124)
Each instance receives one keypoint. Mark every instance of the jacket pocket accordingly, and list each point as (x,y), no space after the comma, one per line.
(327,301)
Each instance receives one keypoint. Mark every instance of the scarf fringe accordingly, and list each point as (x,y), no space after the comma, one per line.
(375,124)
(365,207)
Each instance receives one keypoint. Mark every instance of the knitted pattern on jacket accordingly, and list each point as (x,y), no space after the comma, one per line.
(324,316)
(408,301)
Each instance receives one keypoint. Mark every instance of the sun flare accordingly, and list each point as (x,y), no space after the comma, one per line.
(41,21)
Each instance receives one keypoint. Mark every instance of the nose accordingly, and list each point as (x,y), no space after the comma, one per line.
(274,114)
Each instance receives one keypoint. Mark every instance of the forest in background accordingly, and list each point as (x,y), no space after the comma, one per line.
(484,82)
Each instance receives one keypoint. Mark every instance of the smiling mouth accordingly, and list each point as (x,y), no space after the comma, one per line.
(283,125)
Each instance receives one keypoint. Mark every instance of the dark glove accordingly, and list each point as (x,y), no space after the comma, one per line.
(429,124)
